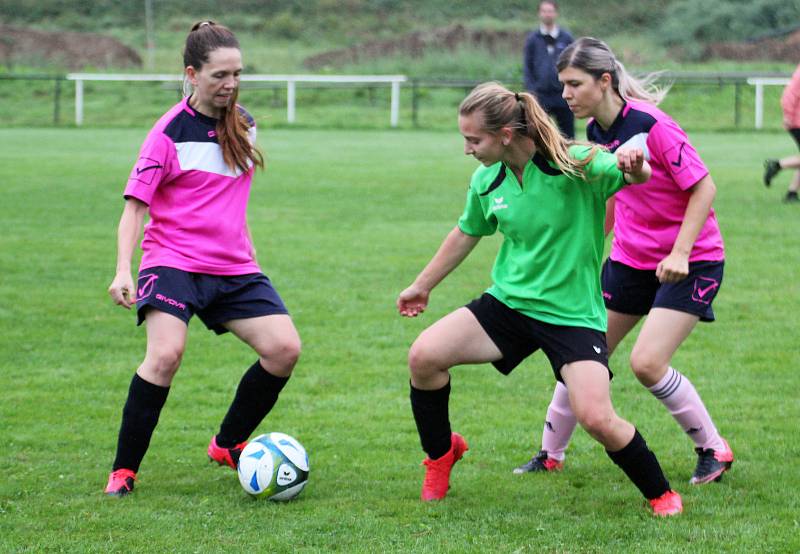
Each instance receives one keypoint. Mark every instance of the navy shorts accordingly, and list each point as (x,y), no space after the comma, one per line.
(796,136)
(517,336)
(628,290)
(215,299)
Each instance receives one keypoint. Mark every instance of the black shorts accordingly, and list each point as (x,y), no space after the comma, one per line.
(214,298)
(796,136)
(634,291)
(517,336)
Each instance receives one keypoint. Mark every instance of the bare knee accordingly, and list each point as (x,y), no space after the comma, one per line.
(597,419)
(423,361)
(280,356)
(647,367)
(161,364)
(597,425)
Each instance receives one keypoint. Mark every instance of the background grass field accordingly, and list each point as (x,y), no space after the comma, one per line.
(343,220)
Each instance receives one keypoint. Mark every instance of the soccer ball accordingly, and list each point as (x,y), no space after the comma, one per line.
(273,466)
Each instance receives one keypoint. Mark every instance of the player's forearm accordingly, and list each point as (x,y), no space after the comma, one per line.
(696,214)
(130,226)
(608,224)
(455,247)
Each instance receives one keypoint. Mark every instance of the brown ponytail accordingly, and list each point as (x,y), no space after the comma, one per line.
(521,112)
(234,140)
(232,127)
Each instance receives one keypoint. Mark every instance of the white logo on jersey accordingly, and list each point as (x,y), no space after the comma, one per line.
(498,204)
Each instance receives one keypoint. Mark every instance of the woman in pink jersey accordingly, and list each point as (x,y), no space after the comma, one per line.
(790,104)
(667,257)
(193,177)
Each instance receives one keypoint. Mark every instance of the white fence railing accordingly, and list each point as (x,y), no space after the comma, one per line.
(736,79)
(290,80)
(759,83)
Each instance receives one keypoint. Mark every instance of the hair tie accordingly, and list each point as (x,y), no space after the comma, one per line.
(201,24)
(516,95)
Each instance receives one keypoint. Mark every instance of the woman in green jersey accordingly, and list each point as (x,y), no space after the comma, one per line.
(547,197)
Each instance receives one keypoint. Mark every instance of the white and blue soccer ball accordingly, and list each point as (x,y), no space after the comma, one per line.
(273,466)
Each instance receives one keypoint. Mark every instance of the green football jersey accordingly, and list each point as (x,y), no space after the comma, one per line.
(548,266)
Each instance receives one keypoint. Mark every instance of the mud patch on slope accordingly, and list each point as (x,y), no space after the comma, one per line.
(63,49)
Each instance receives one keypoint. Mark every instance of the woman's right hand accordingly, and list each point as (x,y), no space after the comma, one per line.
(122,291)
(412,301)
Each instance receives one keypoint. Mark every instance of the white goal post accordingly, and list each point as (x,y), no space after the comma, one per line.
(290,80)
(759,83)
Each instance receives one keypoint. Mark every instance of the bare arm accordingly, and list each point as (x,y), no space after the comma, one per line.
(675,267)
(608,225)
(121,289)
(456,246)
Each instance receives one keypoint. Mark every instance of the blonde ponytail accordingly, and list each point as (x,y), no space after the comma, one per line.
(521,112)
(643,88)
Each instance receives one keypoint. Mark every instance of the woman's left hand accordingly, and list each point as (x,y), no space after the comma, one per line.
(673,268)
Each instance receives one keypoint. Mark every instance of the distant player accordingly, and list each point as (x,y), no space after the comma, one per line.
(667,256)
(548,200)
(193,177)
(790,105)
(543,46)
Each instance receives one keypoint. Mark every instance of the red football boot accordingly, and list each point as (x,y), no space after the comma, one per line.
(437,472)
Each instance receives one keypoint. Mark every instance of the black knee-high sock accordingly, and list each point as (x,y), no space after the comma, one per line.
(139,419)
(641,466)
(256,395)
(431,413)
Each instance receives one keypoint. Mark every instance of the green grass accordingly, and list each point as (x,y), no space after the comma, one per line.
(343,221)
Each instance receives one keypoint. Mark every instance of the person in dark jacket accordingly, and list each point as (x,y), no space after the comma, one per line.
(542,49)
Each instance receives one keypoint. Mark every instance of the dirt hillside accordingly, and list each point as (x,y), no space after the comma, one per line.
(65,49)
(781,48)
(416,44)
(778,48)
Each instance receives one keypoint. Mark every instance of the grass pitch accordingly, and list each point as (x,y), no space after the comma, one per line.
(342,222)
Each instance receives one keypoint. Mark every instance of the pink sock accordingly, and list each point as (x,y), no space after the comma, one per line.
(559,424)
(678,394)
